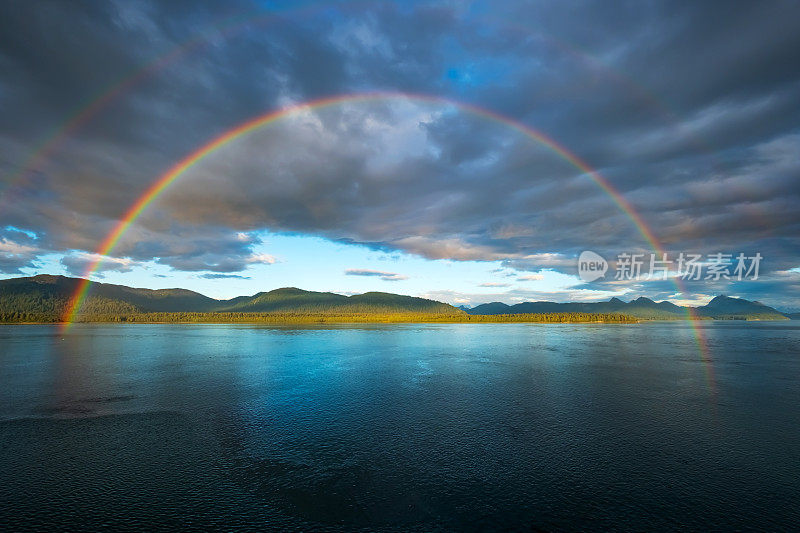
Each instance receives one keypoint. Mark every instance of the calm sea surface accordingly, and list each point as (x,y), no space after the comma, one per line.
(401,427)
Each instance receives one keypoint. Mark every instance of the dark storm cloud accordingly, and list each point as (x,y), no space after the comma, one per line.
(691,111)
(184,248)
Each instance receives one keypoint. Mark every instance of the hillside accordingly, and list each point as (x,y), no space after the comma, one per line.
(293,300)
(725,307)
(45,298)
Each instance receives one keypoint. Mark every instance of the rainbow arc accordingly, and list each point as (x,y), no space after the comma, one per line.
(182,166)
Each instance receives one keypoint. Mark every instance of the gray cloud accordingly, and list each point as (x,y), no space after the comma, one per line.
(222,276)
(688,110)
(18,250)
(78,263)
(385,276)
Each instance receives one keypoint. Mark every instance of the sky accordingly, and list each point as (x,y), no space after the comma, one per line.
(476,148)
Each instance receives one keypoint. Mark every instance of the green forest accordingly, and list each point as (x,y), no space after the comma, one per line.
(45,299)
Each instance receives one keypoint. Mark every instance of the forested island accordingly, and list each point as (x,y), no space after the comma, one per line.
(46,299)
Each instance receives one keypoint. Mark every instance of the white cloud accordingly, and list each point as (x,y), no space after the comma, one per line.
(13,248)
(264,259)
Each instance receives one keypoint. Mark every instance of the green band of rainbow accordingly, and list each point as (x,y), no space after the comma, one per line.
(195,157)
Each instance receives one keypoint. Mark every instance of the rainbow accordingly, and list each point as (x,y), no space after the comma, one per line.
(182,166)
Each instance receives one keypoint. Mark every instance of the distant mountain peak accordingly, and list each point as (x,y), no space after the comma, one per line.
(287,290)
(721,298)
(727,306)
(47,278)
(615,300)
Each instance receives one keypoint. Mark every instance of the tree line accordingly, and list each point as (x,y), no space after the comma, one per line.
(315,318)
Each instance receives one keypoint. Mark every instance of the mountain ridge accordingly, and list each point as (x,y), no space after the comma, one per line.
(719,308)
(45,297)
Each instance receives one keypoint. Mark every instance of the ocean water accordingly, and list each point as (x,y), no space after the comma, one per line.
(467,427)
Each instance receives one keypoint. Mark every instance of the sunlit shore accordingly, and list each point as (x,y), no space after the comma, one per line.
(298,318)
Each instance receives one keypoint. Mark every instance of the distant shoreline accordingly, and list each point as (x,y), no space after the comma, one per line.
(302,319)
(469,319)
(52,299)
